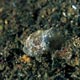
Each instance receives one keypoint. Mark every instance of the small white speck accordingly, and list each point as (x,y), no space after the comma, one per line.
(28,38)
(74,7)
(71,21)
(20,74)
(39,75)
(1,53)
(64,14)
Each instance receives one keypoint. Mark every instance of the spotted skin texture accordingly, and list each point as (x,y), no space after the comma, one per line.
(40,41)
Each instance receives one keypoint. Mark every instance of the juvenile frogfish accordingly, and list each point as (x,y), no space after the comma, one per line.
(41,41)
